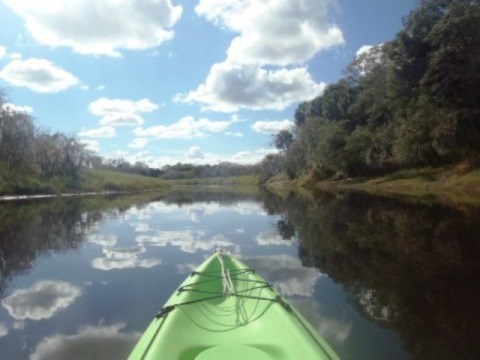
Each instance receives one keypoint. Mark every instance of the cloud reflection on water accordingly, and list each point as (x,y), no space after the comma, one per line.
(107,342)
(118,264)
(286,273)
(42,300)
(3,330)
(328,327)
(272,237)
(189,241)
(288,276)
(116,258)
(122,258)
(102,239)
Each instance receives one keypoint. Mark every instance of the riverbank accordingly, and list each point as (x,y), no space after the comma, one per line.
(105,182)
(91,181)
(458,183)
(232,181)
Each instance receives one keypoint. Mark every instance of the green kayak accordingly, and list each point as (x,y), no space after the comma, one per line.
(224,310)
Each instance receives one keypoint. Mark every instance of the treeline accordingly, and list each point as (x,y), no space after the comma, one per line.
(224,169)
(413,101)
(179,171)
(28,150)
(31,157)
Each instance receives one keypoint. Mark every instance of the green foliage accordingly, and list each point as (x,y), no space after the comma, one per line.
(283,140)
(413,101)
(271,166)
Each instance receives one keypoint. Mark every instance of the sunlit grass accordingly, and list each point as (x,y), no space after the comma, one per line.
(246,180)
(108,180)
(458,183)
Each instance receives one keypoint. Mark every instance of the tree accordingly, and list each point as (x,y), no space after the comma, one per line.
(410,49)
(337,100)
(271,165)
(373,101)
(283,140)
(453,74)
(295,159)
(17,133)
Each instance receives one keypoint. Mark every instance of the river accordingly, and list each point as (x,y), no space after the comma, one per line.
(379,278)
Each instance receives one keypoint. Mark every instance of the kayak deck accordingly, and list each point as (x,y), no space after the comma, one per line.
(224,310)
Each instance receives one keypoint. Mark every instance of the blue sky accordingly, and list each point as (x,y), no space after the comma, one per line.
(167,81)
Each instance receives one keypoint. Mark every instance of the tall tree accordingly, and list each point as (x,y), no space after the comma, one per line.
(282,140)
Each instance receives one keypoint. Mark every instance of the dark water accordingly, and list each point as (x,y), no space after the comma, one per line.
(379,278)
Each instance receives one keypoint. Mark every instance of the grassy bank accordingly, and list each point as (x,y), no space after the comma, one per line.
(95,180)
(458,183)
(235,181)
(107,180)
(14,183)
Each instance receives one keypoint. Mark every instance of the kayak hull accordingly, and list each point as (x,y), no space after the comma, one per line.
(224,310)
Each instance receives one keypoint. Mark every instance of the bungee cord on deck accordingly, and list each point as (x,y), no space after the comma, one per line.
(227,277)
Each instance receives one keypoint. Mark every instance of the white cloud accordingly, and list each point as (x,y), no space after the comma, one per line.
(41,301)
(234,134)
(231,87)
(274,32)
(367,56)
(3,51)
(91,145)
(363,49)
(118,112)
(17,108)
(185,128)
(38,75)
(100,27)
(195,152)
(278,33)
(108,341)
(103,132)
(272,127)
(251,157)
(138,143)
(121,120)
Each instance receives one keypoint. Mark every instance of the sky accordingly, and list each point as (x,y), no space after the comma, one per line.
(189,81)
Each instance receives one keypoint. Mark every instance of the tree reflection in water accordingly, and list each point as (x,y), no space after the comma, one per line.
(410,267)
(31,228)
(413,267)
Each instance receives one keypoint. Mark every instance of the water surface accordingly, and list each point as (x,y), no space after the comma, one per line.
(378,278)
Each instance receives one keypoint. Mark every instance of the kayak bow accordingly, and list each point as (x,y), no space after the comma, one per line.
(224,310)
